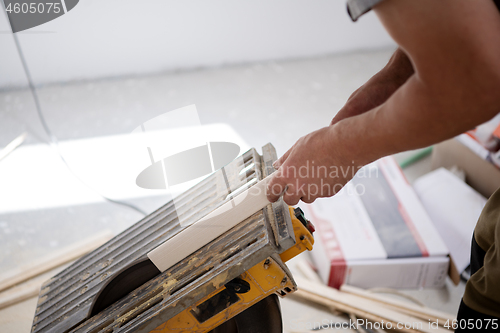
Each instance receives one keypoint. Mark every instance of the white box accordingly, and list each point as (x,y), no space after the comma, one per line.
(376,233)
(454,208)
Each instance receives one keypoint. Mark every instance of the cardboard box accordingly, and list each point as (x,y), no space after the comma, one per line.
(480,174)
(376,233)
(454,208)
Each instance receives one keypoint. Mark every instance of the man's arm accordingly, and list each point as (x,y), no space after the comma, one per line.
(454,47)
(378,88)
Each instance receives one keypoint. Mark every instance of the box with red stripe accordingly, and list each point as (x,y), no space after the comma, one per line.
(376,233)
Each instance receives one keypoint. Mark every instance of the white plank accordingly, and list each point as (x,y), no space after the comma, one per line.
(344,308)
(22,291)
(404,307)
(210,227)
(13,145)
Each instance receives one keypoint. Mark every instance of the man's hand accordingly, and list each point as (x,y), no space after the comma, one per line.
(318,165)
(454,47)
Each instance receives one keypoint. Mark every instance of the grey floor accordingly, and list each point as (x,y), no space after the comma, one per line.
(274,102)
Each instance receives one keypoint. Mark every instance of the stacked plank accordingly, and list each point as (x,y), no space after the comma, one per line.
(25,282)
(363,307)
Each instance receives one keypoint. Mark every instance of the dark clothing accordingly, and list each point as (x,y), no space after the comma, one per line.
(356,8)
(465,314)
(482,292)
(480,321)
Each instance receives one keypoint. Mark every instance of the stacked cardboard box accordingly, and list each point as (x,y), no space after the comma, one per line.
(376,233)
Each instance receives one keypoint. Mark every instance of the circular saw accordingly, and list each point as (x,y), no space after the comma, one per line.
(161,275)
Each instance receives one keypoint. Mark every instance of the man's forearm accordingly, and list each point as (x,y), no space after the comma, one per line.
(378,88)
(455,84)
(413,117)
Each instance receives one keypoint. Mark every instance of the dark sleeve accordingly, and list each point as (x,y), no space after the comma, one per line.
(356,8)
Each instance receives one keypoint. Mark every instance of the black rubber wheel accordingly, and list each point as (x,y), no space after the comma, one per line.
(262,317)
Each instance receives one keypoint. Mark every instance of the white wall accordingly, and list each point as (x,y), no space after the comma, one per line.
(106,38)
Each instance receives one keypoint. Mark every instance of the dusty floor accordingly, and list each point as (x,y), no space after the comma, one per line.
(274,102)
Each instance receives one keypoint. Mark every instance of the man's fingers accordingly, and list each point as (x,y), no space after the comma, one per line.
(275,187)
(291,197)
(308,199)
(279,162)
(279,185)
